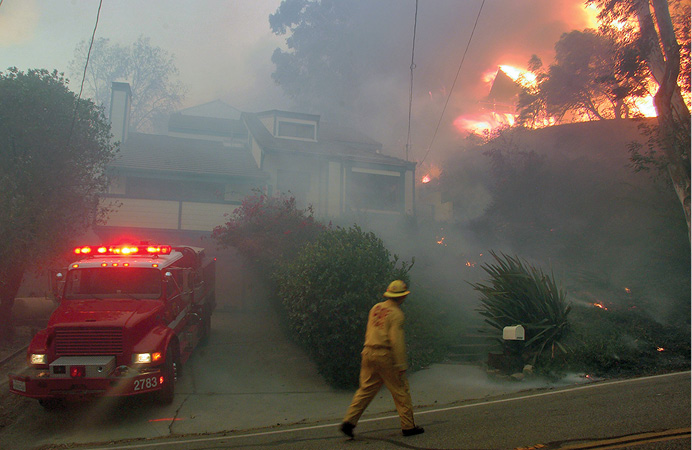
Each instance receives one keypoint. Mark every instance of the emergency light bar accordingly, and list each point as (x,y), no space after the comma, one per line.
(124,250)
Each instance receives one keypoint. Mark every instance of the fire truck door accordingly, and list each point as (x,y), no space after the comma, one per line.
(186,293)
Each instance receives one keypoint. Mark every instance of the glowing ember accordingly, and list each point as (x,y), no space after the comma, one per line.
(426,179)
(470,264)
(628,290)
(441,241)
(600,305)
(660,349)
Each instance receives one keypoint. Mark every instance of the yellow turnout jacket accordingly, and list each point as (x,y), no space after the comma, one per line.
(385,330)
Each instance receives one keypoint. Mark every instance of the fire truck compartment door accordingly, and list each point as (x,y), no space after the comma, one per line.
(96,366)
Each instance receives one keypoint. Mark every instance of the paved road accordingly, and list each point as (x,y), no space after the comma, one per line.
(646,414)
(250,379)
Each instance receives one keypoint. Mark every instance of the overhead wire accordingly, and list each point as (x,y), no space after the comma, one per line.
(410,93)
(468,44)
(86,64)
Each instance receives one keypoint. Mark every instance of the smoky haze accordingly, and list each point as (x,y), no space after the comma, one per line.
(223,50)
(378,44)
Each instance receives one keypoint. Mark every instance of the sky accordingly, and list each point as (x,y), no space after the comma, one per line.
(223,50)
(221,47)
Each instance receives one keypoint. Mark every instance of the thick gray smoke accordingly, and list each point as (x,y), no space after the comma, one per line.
(377,44)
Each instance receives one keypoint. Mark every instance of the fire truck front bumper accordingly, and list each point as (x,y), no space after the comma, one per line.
(37,384)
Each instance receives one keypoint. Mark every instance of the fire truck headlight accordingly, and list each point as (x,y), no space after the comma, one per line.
(38,358)
(142,358)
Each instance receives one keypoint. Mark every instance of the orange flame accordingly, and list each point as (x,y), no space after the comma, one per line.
(521,76)
(600,305)
(485,122)
(426,179)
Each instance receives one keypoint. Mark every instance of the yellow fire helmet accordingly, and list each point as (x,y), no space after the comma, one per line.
(397,288)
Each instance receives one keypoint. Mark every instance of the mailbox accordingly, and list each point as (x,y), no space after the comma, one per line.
(513,333)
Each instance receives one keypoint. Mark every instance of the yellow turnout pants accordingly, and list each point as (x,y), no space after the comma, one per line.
(377,368)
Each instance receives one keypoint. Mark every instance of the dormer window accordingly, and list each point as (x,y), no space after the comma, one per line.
(290,125)
(296,130)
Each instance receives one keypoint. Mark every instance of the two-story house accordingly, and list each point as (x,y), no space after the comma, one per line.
(213,156)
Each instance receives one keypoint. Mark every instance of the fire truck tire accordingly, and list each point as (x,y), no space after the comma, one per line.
(170,373)
(51,404)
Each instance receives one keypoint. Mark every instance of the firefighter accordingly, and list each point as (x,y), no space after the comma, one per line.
(384,362)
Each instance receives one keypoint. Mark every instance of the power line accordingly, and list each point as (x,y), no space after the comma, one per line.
(86,64)
(410,93)
(468,44)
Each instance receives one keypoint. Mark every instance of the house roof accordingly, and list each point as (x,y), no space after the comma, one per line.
(216,108)
(214,126)
(160,153)
(332,140)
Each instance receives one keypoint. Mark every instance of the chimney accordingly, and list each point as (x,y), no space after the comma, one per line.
(121,97)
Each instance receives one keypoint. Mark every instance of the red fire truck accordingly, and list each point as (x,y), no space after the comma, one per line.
(129,316)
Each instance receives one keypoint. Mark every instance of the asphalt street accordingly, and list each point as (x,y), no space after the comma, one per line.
(248,378)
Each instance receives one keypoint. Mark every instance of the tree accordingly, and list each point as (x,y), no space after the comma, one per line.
(658,44)
(317,61)
(592,77)
(149,70)
(54,149)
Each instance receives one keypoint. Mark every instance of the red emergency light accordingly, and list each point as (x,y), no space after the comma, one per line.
(124,250)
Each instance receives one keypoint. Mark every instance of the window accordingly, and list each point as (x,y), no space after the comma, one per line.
(297,130)
(375,192)
(122,282)
(185,190)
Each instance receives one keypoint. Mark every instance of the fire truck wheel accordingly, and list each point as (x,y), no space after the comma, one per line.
(170,372)
(51,404)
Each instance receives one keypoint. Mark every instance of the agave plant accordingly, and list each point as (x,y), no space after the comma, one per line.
(520,294)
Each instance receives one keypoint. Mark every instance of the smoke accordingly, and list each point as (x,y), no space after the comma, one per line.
(378,44)
(18,22)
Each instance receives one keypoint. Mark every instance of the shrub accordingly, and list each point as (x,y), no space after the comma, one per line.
(327,292)
(520,294)
(267,229)
(624,342)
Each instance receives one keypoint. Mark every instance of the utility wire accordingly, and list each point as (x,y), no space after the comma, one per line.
(86,64)
(453,84)
(410,93)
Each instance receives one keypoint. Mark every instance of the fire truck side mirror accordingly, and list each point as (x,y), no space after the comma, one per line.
(57,286)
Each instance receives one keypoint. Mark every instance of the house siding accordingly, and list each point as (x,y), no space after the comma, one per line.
(142,213)
(203,216)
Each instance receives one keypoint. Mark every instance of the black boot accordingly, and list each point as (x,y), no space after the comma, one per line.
(413,431)
(347,429)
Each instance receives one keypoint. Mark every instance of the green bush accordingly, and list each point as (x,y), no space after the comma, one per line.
(327,292)
(520,294)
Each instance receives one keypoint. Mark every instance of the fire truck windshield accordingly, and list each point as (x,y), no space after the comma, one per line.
(125,282)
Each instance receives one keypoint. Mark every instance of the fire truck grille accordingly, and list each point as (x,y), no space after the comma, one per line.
(88,341)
